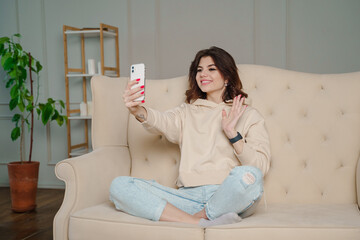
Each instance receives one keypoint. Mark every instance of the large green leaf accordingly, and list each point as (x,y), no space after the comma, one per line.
(60,120)
(62,104)
(41,106)
(16,54)
(21,62)
(25,59)
(29,107)
(29,97)
(16,118)
(14,92)
(4,58)
(21,106)
(23,73)
(38,67)
(18,46)
(51,101)
(9,64)
(10,82)
(4,40)
(55,115)
(2,47)
(14,73)
(13,103)
(15,133)
(46,113)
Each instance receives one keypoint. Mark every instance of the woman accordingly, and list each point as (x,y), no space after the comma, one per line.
(224,146)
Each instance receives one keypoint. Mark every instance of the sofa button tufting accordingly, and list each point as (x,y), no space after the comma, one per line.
(160,137)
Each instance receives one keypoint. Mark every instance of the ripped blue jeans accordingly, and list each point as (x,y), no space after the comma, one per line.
(240,193)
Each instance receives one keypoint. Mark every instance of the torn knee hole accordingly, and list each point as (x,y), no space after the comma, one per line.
(248,178)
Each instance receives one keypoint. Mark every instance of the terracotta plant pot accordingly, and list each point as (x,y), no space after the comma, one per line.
(23,179)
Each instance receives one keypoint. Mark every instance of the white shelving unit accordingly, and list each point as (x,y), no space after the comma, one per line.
(75,73)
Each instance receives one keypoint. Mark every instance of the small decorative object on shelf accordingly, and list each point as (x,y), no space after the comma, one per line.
(84,112)
(91,66)
(83,109)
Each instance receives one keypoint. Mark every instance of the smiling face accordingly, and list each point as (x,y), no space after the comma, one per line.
(210,79)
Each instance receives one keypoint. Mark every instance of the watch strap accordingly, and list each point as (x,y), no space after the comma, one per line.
(235,139)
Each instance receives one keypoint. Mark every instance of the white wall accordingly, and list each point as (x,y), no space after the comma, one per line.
(318,36)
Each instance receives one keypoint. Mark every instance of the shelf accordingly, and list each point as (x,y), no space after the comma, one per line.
(79,152)
(80,74)
(90,33)
(89,75)
(80,117)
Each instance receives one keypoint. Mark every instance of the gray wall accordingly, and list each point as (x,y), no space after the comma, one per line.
(318,36)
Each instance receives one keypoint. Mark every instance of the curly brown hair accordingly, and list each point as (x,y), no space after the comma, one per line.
(226,65)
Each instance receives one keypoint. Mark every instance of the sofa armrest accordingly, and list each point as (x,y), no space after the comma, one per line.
(87,181)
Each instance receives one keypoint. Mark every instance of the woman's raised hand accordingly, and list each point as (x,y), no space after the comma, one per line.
(129,97)
(229,121)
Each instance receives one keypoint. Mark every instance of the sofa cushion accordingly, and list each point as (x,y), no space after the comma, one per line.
(335,221)
(104,222)
(290,221)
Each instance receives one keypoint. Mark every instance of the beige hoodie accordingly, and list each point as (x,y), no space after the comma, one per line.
(207,156)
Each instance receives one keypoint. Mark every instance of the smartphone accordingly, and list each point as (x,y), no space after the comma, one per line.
(137,71)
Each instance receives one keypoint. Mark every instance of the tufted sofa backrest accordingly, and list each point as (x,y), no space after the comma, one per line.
(313,121)
(314,125)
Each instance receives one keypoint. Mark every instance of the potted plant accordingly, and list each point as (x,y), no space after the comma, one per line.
(20,66)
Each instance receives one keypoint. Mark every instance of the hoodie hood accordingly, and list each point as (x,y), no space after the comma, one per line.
(210,104)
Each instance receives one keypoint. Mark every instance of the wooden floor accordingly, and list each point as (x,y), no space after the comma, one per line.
(32,225)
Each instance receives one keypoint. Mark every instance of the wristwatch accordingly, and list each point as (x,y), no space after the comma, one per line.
(235,139)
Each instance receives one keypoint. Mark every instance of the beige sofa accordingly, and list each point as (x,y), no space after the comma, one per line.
(312,190)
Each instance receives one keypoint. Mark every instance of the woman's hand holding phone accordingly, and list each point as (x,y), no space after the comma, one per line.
(132,92)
